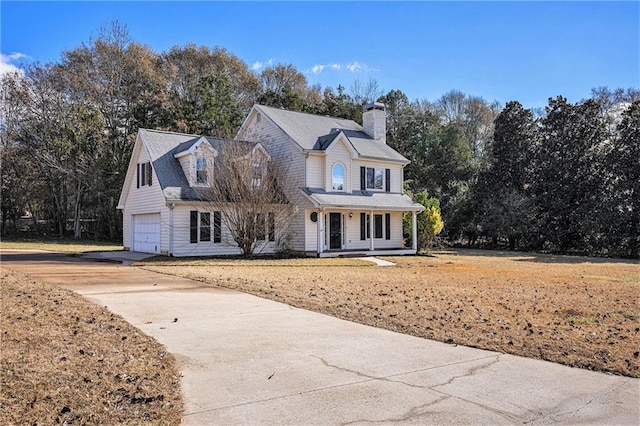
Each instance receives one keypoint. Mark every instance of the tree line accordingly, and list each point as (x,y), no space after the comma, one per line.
(561,179)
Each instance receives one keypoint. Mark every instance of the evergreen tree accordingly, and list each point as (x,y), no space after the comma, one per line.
(624,159)
(568,180)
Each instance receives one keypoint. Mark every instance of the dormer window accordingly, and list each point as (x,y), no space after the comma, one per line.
(197,161)
(201,170)
(256,174)
(337,177)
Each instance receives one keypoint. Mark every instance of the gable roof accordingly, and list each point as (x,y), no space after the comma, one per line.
(313,132)
(190,147)
(161,147)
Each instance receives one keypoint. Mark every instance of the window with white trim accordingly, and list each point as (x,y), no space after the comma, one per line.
(201,170)
(200,226)
(144,174)
(337,177)
(375,178)
(257,172)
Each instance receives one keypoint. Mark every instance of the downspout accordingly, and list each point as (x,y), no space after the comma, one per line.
(171,207)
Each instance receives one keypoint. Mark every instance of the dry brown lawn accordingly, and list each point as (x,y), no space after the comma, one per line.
(65,360)
(580,312)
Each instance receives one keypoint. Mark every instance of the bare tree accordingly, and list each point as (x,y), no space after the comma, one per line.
(247,187)
(363,92)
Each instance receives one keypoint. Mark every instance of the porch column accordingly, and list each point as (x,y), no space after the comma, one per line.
(414,231)
(371,230)
(320,222)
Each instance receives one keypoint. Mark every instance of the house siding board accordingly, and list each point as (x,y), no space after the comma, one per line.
(182,246)
(311,231)
(315,171)
(353,232)
(188,166)
(288,155)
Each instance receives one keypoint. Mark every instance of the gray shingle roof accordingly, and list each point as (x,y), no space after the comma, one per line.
(307,130)
(161,147)
(363,200)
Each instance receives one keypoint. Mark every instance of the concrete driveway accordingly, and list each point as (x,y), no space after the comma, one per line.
(247,360)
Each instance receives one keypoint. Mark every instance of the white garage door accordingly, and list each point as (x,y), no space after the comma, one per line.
(146,233)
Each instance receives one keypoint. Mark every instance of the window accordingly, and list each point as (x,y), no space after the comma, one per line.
(200,226)
(337,177)
(201,170)
(145,176)
(265,226)
(256,175)
(205,227)
(377,223)
(374,178)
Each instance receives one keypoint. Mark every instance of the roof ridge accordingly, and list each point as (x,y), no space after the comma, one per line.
(173,133)
(308,113)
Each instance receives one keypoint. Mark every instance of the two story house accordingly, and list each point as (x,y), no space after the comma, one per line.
(344,180)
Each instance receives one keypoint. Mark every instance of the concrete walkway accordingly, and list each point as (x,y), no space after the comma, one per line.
(379,262)
(247,360)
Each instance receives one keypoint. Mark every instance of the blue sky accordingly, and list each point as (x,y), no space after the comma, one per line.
(525,51)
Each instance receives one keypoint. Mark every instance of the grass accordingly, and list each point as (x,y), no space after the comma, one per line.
(65,246)
(65,360)
(575,311)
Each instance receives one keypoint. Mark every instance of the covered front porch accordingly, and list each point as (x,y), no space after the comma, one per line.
(359,223)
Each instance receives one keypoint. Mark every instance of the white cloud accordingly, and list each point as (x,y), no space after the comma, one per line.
(356,66)
(258,65)
(351,67)
(6,65)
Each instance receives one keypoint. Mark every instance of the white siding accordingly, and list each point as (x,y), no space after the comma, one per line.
(311,240)
(188,163)
(182,245)
(353,232)
(315,171)
(290,159)
(144,200)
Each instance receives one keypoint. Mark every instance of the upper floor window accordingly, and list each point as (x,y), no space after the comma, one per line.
(375,178)
(201,170)
(257,171)
(337,177)
(145,175)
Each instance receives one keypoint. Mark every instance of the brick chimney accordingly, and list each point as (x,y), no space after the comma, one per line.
(374,121)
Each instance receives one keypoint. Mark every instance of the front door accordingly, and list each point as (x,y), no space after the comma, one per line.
(335,231)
